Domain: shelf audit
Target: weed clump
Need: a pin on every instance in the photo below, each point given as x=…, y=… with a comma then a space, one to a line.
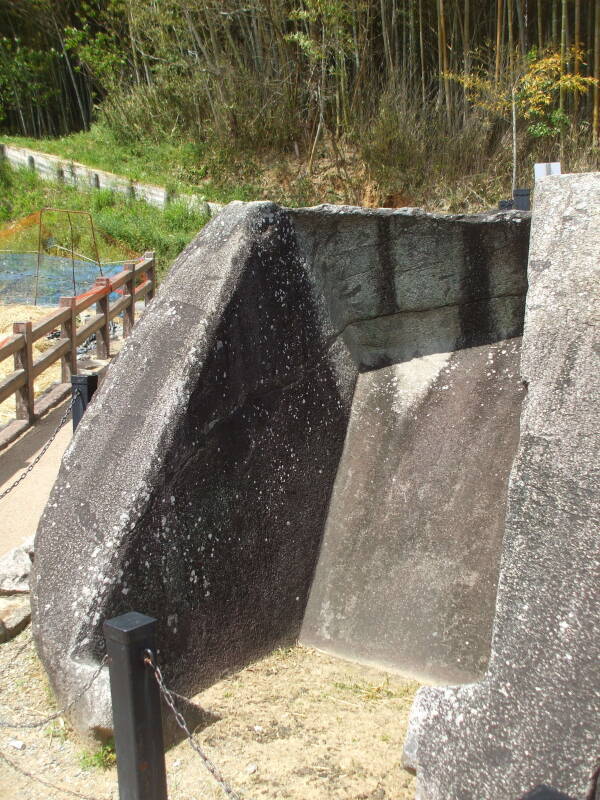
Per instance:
x=103, y=758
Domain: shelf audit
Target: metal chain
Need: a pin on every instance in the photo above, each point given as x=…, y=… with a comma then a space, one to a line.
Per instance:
x=169, y=700
x=57, y=714
x=56, y=788
x=42, y=452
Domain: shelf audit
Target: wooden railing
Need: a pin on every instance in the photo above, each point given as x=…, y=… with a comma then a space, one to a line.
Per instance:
x=136, y=281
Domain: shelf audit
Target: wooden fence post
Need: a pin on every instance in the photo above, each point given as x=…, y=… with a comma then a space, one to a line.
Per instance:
x=24, y=397
x=129, y=289
x=103, y=335
x=68, y=330
x=151, y=274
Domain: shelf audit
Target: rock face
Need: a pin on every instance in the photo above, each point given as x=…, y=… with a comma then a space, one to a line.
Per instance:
x=198, y=485
x=535, y=717
x=15, y=607
x=431, y=310
x=15, y=615
x=211, y=449
x=15, y=568
x=411, y=547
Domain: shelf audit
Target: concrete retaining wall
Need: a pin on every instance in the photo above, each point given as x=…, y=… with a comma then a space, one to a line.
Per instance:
x=54, y=168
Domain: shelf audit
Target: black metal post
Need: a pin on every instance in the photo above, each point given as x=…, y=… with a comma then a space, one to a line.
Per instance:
x=522, y=199
x=87, y=385
x=136, y=708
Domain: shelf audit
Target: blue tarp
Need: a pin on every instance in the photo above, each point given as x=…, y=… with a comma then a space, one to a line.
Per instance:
x=18, y=277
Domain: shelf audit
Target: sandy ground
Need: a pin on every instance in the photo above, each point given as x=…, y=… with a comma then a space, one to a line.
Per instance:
x=298, y=724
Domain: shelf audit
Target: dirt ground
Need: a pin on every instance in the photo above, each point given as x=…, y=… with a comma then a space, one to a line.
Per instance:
x=298, y=724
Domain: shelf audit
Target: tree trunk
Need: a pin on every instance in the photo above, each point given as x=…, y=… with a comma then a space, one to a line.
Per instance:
x=84, y=120
x=511, y=43
x=577, y=44
x=522, y=27
x=422, y=51
x=444, y=52
x=513, y=107
x=499, y=38
x=466, y=53
x=555, y=38
x=563, y=53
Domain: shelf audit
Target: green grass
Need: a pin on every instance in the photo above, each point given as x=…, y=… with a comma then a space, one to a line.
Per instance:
x=133, y=224
x=103, y=758
x=181, y=167
x=380, y=691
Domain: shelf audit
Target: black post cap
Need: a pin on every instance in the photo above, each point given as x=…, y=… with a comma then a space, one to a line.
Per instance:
x=85, y=380
x=129, y=627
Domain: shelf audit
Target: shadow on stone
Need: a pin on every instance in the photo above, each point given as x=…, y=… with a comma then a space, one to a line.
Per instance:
x=545, y=793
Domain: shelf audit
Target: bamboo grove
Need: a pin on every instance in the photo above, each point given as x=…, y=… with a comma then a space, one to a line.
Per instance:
x=300, y=74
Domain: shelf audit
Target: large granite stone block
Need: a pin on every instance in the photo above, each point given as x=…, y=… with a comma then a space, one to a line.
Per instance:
x=535, y=717
x=196, y=486
x=199, y=483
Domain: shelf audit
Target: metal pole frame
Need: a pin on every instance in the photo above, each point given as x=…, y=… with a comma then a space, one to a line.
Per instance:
x=68, y=212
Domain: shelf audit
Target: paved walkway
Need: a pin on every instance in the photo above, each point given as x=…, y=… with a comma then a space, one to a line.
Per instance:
x=21, y=510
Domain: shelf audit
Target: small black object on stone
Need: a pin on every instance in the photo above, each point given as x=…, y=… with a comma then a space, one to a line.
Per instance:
x=505, y=205
x=522, y=199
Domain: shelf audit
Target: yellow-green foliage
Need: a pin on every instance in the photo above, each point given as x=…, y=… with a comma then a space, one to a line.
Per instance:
x=534, y=85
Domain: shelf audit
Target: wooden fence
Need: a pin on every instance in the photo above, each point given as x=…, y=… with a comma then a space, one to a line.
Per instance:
x=137, y=281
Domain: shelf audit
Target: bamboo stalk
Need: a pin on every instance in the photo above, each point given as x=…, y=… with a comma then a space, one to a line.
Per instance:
x=499, y=38
x=596, y=112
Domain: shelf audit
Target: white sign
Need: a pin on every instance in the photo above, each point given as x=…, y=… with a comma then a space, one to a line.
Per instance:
x=541, y=170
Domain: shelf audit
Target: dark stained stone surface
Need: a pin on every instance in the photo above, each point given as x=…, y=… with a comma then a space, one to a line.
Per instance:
x=431, y=284
x=198, y=485
x=535, y=717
